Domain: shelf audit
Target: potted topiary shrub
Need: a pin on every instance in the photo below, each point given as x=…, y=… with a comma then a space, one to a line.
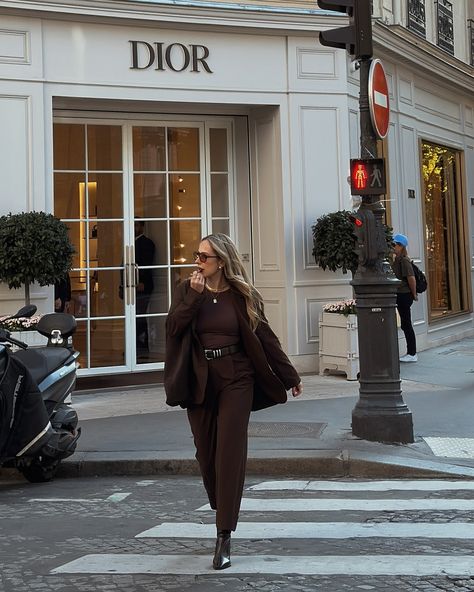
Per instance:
x=334, y=243
x=34, y=247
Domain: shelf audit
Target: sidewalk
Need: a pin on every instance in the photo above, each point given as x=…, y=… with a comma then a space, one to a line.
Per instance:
x=132, y=431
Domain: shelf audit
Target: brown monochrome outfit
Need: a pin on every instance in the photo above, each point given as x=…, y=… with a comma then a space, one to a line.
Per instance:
x=219, y=394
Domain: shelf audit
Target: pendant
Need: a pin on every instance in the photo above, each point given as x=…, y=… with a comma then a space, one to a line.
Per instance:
x=214, y=300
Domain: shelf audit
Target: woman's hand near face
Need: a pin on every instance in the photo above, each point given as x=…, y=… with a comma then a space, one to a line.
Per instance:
x=297, y=390
x=197, y=281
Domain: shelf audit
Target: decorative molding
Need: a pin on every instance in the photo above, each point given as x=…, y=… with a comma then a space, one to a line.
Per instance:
x=14, y=47
x=266, y=189
x=468, y=116
x=316, y=64
x=442, y=108
x=21, y=154
x=405, y=89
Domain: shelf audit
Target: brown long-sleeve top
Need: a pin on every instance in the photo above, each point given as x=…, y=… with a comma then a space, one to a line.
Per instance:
x=185, y=364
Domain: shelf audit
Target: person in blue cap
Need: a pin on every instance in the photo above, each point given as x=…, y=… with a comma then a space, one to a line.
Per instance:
x=406, y=293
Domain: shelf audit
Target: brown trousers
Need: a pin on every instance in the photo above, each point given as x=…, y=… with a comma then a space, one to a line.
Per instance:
x=219, y=427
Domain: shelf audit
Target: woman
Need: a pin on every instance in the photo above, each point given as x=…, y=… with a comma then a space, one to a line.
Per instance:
x=223, y=361
x=406, y=294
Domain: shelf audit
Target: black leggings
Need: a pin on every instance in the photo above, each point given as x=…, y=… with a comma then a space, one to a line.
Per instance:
x=404, y=302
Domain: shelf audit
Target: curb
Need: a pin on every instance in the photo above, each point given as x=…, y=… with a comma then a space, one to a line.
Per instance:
x=335, y=464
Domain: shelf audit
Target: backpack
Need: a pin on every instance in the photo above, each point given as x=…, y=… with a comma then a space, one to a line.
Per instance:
x=420, y=278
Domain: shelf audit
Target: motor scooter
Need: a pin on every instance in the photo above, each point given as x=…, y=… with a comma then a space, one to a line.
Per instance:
x=37, y=427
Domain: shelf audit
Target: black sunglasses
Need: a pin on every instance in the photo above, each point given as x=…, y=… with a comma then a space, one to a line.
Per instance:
x=203, y=257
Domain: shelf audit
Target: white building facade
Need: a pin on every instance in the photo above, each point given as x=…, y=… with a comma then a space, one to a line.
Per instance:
x=195, y=117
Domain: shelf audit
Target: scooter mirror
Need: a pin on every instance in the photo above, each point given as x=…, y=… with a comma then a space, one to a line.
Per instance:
x=25, y=312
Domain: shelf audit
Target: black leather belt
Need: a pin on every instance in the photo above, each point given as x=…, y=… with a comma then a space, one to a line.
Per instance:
x=212, y=354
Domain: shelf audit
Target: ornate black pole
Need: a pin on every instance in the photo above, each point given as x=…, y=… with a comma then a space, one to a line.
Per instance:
x=380, y=414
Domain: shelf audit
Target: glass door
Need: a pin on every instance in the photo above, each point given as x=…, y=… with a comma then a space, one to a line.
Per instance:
x=88, y=197
x=137, y=198
x=166, y=206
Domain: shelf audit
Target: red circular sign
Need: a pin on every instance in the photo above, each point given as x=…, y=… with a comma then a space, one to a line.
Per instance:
x=378, y=99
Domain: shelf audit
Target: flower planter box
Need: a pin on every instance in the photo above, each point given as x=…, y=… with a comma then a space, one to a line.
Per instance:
x=338, y=344
x=31, y=338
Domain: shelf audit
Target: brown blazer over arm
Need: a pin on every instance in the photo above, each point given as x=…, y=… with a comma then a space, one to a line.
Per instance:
x=186, y=366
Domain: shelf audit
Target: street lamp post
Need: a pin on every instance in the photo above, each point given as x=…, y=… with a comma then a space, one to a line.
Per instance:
x=380, y=414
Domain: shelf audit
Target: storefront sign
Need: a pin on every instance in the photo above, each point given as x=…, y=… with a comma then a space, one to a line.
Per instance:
x=175, y=56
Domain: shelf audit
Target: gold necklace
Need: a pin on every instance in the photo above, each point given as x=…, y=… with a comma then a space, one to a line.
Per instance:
x=216, y=291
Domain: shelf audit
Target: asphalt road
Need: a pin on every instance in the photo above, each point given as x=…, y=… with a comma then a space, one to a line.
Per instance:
x=156, y=534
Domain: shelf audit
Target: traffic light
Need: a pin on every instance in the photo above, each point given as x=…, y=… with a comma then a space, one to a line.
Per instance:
x=365, y=229
x=368, y=176
x=357, y=37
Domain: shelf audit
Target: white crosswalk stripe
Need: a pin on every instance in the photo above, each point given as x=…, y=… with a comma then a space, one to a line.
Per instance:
x=314, y=530
x=320, y=500
x=392, y=485
x=374, y=565
x=336, y=505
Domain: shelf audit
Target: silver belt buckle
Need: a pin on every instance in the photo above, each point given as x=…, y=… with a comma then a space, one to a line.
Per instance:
x=212, y=354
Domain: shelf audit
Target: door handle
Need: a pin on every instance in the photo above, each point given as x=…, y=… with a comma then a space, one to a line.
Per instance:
x=130, y=276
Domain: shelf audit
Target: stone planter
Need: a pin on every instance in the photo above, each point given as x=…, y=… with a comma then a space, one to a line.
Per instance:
x=31, y=338
x=338, y=344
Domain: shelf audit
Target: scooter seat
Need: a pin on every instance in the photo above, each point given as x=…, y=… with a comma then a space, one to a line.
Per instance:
x=41, y=361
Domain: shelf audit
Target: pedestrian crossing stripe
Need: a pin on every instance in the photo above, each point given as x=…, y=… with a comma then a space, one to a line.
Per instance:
x=365, y=565
x=336, y=505
x=315, y=530
x=391, y=485
x=410, y=564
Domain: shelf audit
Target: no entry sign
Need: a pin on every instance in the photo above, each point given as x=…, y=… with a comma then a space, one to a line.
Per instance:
x=378, y=99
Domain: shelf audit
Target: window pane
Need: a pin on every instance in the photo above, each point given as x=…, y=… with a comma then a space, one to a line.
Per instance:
x=220, y=226
x=69, y=147
x=220, y=195
x=157, y=232
x=185, y=237
x=105, y=195
x=77, y=232
x=78, y=304
x=185, y=196
x=218, y=148
x=183, y=149
x=150, y=196
x=155, y=349
x=106, y=244
x=105, y=298
x=159, y=298
x=444, y=231
x=69, y=195
x=149, y=153
x=79, y=342
x=104, y=147
x=107, y=343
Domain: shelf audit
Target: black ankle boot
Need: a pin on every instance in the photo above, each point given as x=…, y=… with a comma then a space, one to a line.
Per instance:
x=222, y=554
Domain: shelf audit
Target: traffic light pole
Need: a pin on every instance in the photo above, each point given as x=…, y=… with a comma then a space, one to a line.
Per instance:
x=380, y=414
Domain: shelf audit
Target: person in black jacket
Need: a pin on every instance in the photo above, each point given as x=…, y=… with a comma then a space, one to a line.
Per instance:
x=62, y=294
x=406, y=294
x=144, y=255
x=222, y=361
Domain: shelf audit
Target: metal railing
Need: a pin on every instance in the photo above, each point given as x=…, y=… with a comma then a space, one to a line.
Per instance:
x=416, y=17
x=445, y=25
x=471, y=39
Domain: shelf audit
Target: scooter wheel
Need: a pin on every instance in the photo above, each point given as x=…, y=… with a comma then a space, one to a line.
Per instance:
x=40, y=470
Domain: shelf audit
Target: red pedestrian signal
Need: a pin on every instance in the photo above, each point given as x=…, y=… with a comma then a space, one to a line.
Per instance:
x=368, y=176
x=359, y=175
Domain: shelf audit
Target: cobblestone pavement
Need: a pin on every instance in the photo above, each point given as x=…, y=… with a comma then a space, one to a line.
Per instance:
x=46, y=526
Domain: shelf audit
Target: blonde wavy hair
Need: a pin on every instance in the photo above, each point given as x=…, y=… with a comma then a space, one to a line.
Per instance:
x=236, y=276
